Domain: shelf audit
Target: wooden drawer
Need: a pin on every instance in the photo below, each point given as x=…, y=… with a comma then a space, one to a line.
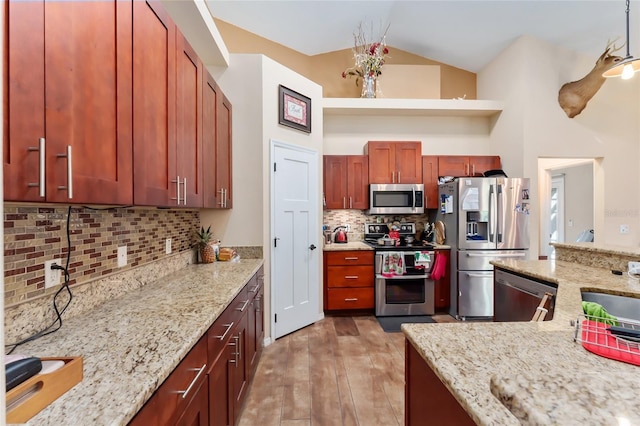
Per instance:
x=222, y=329
x=350, y=298
x=350, y=276
x=170, y=397
x=352, y=257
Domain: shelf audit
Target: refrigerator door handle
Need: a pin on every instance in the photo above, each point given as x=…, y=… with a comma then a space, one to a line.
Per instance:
x=491, y=214
x=500, y=203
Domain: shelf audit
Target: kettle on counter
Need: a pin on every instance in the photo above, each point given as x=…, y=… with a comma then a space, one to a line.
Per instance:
x=340, y=235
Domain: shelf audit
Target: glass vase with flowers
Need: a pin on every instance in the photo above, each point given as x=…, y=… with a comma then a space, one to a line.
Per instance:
x=369, y=58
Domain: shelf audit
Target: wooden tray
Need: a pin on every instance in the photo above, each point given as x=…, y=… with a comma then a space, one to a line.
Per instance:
x=30, y=397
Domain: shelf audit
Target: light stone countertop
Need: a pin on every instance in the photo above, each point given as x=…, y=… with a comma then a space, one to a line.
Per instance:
x=535, y=368
x=350, y=245
x=131, y=344
x=360, y=245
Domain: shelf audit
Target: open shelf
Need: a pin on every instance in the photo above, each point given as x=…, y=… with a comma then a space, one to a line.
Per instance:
x=408, y=107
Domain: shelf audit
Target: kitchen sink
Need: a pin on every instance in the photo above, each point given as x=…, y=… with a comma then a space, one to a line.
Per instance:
x=620, y=306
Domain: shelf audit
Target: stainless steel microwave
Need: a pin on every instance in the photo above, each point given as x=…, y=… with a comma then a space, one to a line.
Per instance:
x=397, y=198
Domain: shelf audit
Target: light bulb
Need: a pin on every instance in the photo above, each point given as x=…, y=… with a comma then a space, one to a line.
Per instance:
x=627, y=72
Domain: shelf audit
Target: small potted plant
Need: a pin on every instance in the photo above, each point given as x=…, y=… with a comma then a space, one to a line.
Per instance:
x=202, y=241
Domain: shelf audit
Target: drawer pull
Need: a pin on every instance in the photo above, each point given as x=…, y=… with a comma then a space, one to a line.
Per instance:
x=194, y=381
x=246, y=302
x=351, y=277
x=225, y=332
x=352, y=299
x=350, y=258
x=253, y=290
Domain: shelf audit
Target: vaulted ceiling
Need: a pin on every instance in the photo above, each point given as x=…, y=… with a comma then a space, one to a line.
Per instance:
x=466, y=34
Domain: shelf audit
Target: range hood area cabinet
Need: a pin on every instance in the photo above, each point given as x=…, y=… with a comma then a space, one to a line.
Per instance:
x=394, y=162
x=346, y=182
x=68, y=128
x=73, y=134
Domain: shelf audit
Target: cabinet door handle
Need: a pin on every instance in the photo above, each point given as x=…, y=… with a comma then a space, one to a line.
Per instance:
x=184, y=201
x=41, y=177
x=350, y=202
x=246, y=302
x=237, y=352
x=225, y=198
x=398, y=176
x=352, y=299
x=467, y=166
x=177, y=182
x=344, y=202
x=225, y=332
x=473, y=170
x=351, y=277
x=393, y=177
x=194, y=381
x=350, y=258
x=253, y=290
x=69, y=158
x=234, y=344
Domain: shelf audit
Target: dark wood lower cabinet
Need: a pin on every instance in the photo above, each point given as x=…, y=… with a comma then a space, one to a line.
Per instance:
x=427, y=400
x=221, y=388
x=197, y=412
x=220, y=368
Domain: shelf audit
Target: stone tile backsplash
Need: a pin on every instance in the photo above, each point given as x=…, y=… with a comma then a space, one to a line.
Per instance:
x=33, y=234
x=357, y=219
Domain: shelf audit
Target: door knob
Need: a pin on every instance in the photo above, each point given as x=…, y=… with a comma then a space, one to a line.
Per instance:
x=312, y=247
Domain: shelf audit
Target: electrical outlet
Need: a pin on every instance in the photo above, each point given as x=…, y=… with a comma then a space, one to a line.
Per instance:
x=52, y=276
x=167, y=246
x=347, y=227
x=635, y=267
x=624, y=229
x=122, y=256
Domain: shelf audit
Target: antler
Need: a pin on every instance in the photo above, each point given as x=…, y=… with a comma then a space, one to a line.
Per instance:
x=610, y=49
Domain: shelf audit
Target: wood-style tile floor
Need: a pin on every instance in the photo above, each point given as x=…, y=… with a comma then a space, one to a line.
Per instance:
x=338, y=371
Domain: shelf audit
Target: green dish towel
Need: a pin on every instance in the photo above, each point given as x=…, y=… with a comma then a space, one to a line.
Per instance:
x=596, y=312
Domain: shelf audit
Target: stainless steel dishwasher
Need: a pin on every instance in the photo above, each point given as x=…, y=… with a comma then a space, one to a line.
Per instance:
x=516, y=297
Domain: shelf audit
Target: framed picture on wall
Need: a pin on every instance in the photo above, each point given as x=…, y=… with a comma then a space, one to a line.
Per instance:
x=295, y=109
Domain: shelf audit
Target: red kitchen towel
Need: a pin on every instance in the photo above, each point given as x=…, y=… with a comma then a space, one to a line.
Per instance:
x=439, y=267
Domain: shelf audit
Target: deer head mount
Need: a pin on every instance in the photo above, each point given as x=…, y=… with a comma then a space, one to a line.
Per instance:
x=573, y=96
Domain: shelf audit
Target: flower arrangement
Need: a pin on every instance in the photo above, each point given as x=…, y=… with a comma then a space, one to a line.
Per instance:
x=369, y=56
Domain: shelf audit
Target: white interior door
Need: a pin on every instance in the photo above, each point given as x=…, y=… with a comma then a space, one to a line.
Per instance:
x=295, y=248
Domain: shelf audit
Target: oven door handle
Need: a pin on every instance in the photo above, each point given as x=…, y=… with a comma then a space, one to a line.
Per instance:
x=403, y=277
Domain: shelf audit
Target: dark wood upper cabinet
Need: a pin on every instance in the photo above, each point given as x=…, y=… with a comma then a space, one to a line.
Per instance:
x=154, y=103
x=394, y=162
x=189, y=119
x=69, y=83
x=346, y=182
x=223, y=153
x=460, y=165
x=210, y=94
x=430, y=181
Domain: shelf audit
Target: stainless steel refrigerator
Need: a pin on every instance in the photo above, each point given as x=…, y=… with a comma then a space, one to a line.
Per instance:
x=485, y=218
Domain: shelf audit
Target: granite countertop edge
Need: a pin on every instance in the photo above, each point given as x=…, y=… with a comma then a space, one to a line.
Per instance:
x=482, y=362
x=174, y=312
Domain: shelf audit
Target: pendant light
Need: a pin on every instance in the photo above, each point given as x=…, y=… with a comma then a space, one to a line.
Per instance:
x=628, y=66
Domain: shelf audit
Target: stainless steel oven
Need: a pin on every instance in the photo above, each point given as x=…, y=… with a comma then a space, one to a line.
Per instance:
x=411, y=293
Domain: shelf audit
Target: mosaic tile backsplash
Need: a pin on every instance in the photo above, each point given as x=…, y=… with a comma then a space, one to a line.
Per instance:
x=357, y=219
x=34, y=234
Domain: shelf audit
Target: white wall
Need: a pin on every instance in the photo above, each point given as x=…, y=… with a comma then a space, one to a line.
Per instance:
x=347, y=134
x=527, y=77
x=251, y=84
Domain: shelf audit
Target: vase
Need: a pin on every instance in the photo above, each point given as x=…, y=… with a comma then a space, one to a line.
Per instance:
x=368, y=87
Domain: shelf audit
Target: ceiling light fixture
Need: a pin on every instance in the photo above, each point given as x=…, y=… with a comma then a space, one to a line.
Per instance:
x=628, y=66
